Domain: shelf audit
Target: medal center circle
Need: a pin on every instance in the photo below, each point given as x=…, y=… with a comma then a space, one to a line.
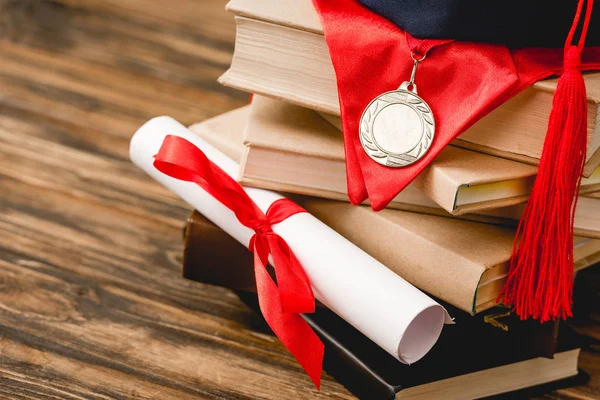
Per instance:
x=397, y=128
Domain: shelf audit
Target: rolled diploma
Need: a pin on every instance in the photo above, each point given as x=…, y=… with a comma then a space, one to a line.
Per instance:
x=380, y=304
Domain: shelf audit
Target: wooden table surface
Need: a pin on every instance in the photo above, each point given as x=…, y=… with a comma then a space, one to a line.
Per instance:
x=92, y=303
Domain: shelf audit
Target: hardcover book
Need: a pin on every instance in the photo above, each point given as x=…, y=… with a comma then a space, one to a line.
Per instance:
x=461, y=262
x=227, y=131
x=291, y=148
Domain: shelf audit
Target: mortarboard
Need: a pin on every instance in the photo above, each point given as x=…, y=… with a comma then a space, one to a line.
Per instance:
x=537, y=23
x=460, y=82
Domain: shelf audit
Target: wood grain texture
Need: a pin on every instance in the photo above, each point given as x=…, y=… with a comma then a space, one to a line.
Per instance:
x=92, y=305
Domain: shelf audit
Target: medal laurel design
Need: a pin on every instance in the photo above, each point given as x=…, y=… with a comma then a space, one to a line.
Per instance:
x=397, y=127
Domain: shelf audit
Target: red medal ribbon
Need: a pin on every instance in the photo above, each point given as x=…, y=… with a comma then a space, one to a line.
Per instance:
x=420, y=47
x=462, y=82
x=281, y=304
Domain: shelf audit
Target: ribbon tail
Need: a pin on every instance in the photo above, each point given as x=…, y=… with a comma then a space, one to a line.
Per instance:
x=294, y=286
x=293, y=331
x=181, y=159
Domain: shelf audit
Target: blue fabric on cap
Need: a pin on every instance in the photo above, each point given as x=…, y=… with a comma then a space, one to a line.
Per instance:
x=516, y=23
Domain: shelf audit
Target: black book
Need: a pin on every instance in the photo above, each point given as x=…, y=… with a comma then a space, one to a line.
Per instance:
x=472, y=359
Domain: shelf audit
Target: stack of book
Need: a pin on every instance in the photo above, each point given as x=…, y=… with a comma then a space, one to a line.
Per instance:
x=450, y=233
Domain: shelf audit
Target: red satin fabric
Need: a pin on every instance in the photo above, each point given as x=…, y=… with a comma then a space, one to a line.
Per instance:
x=281, y=304
x=460, y=81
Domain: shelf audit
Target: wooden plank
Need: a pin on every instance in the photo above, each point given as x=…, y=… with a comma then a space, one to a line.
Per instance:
x=43, y=156
x=92, y=305
x=110, y=70
x=99, y=290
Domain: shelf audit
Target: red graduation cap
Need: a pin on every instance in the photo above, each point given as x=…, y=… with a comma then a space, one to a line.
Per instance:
x=461, y=82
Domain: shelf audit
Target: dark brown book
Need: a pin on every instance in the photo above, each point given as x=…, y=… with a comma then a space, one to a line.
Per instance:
x=490, y=353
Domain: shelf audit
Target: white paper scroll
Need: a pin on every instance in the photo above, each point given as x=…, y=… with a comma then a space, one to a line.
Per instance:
x=384, y=307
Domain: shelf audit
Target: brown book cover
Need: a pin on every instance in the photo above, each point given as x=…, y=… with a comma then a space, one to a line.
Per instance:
x=303, y=74
x=226, y=132
x=291, y=145
x=213, y=257
x=463, y=263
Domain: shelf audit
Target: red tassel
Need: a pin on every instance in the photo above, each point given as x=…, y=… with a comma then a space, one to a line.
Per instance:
x=540, y=279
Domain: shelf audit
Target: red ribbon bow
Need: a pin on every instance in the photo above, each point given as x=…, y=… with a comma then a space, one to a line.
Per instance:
x=281, y=304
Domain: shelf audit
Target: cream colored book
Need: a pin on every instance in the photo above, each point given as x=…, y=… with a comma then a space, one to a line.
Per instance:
x=318, y=170
x=291, y=148
x=462, y=262
x=281, y=52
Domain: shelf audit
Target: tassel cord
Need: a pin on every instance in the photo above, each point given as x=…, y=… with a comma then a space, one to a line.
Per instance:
x=540, y=278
